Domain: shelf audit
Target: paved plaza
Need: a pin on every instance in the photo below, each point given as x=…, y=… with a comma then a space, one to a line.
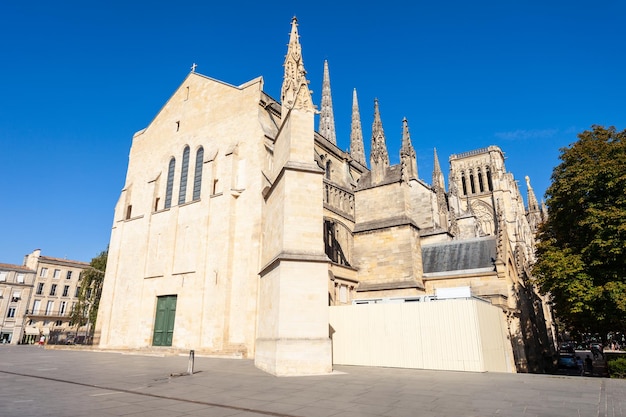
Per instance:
x=47, y=382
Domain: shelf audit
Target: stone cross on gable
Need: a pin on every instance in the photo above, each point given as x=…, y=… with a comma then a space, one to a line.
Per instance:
x=193, y=67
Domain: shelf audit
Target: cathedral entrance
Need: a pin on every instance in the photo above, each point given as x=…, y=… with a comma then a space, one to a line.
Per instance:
x=164, y=321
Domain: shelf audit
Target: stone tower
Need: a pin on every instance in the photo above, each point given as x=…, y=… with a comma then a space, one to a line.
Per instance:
x=292, y=330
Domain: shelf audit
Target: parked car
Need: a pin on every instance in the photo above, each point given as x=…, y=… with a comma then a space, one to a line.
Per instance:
x=567, y=361
x=567, y=348
x=593, y=346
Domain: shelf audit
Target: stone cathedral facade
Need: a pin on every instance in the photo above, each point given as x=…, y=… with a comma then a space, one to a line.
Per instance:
x=240, y=224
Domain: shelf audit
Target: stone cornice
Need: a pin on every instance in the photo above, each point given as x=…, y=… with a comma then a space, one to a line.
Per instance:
x=385, y=224
x=292, y=166
x=287, y=256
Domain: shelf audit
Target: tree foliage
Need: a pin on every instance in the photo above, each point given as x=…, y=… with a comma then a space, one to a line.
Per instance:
x=86, y=308
x=581, y=254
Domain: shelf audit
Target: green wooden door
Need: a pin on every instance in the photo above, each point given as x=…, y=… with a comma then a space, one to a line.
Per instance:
x=164, y=321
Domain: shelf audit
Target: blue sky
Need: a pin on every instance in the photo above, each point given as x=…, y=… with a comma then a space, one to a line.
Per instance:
x=78, y=79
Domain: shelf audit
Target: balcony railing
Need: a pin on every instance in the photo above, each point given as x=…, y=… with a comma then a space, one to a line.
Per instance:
x=339, y=199
x=48, y=313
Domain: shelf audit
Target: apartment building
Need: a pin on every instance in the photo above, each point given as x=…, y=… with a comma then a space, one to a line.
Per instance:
x=55, y=289
x=16, y=286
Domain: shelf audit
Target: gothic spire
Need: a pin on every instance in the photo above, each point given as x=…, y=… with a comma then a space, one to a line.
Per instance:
x=438, y=180
x=379, y=158
x=533, y=206
x=295, y=91
x=327, y=120
x=440, y=191
x=408, y=161
x=357, y=149
x=535, y=213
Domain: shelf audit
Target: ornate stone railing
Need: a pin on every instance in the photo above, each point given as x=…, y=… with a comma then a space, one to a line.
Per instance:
x=339, y=199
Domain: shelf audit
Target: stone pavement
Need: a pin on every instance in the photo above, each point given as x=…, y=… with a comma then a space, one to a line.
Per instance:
x=46, y=382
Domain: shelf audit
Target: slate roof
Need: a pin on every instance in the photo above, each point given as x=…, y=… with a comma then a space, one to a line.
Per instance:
x=11, y=267
x=461, y=255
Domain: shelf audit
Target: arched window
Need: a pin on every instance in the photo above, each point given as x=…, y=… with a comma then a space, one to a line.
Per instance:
x=481, y=187
x=183, y=176
x=463, y=183
x=197, y=176
x=328, y=169
x=170, y=183
x=489, y=183
x=472, y=185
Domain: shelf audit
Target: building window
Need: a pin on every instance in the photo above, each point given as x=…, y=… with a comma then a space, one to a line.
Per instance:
x=328, y=165
x=184, y=170
x=66, y=290
x=40, y=288
x=215, y=186
x=49, y=307
x=77, y=293
x=57, y=273
x=197, y=176
x=170, y=183
x=20, y=278
x=463, y=184
x=58, y=323
x=53, y=289
x=129, y=211
x=43, y=272
x=69, y=275
x=62, y=309
x=480, y=181
x=36, y=305
x=156, y=204
x=11, y=312
x=489, y=183
x=16, y=297
x=3, y=276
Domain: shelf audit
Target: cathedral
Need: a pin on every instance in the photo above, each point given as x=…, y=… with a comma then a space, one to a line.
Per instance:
x=240, y=225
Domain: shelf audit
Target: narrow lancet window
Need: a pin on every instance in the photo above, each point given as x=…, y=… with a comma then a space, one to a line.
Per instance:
x=197, y=176
x=183, y=176
x=481, y=186
x=471, y=179
x=170, y=183
x=464, y=184
x=489, y=183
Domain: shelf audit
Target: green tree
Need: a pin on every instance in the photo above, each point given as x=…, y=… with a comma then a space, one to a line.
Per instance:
x=581, y=254
x=85, y=310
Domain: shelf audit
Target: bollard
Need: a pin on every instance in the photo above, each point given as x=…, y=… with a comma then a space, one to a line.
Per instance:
x=192, y=355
